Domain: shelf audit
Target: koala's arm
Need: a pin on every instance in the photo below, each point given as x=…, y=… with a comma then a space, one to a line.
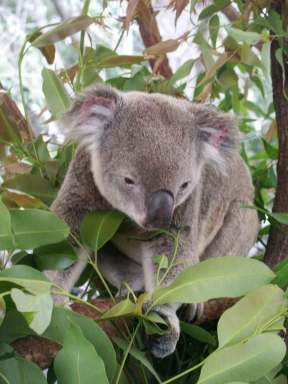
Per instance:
x=77, y=197
x=78, y=194
x=237, y=234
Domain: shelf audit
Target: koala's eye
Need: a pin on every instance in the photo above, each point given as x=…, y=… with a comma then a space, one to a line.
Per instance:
x=129, y=181
x=184, y=185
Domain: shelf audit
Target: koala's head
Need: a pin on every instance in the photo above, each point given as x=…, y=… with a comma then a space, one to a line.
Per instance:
x=148, y=150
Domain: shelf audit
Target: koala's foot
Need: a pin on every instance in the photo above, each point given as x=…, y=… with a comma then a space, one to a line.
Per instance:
x=57, y=278
x=163, y=345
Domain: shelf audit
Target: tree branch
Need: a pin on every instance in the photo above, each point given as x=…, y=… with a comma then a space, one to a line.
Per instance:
x=42, y=351
x=150, y=34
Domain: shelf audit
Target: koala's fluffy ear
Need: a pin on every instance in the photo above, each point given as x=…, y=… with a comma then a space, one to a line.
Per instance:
x=217, y=135
x=91, y=113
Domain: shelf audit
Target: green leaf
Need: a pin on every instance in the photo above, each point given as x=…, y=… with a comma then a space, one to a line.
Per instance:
x=270, y=378
x=55, y=256
x=2, y=309
x=248, y=57
x=198, y=333
x=6, y=236
x=78, y=361
x=271, y=150
x=6, y=351
x=248, y=37
x=120, y=61
x=14, y=326
x=214, y=26
x=281, y=271
x=152, y=328
x=20, y=371
x=32, y=280
x=63, y=30
x=40, y=306
x=123, y=308
x=183, y=71
x=281, y=217
x=228, y=276
x=250, y=314
x=34, y=227
x=33, y=185
x=245, y=361
x=161, y=261
x=211, y=9
x=99, y=227
x=138, y=355
x=60, y=322
x=56, y=96
x=228, y=79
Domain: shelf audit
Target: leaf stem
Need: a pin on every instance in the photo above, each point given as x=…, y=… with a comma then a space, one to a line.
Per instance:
x=62, y=292
x=82, y=40
x=184, y=373
x=126, y=354
x=174, y=255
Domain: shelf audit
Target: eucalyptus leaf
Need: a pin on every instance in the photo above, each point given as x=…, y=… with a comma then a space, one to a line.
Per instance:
x=6, y=236
x=228, y=276
x=32, y=280
x=281, y=217
x=121, y=309
x=246, y=361
x=14, y=326
x=63, y=30
x=251, y=314
x=198, y=333
x=211, y=9
x=60, y=322
x=55, y=256
x=214, y=26
x=248, y=37
x=97, y=228
x=78, y=362
x=56, y=96
x=40, y=307
x=183, y=71
x=281, y=271
x=138, y=355
x=272, y=378
x=34, y=227
x=33, y=185
x=20, y=371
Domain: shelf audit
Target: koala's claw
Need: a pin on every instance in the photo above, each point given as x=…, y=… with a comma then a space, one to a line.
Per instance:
x=192, y=312
x=163, y=345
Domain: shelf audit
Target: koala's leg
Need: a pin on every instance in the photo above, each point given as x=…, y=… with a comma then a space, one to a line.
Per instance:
x=118, y=268
x=235, y=238
x=67, y=278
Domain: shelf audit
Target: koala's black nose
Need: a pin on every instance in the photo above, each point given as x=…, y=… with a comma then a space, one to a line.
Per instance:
x=160, y=209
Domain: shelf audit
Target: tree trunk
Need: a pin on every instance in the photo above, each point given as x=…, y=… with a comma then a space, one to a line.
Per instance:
x=277, y=248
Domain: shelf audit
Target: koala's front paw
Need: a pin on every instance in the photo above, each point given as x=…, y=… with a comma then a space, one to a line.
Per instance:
x=163, y=345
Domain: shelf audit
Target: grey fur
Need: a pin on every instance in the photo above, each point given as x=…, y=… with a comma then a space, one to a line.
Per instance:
x=160, y=142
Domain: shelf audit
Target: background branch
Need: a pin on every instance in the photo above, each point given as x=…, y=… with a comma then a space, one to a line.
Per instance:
x=150, y=34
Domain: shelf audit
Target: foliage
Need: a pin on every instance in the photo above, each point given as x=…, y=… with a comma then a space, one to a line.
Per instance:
x=245, y=346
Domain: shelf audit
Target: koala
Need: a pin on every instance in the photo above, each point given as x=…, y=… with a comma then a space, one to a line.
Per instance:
x=166, y=164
